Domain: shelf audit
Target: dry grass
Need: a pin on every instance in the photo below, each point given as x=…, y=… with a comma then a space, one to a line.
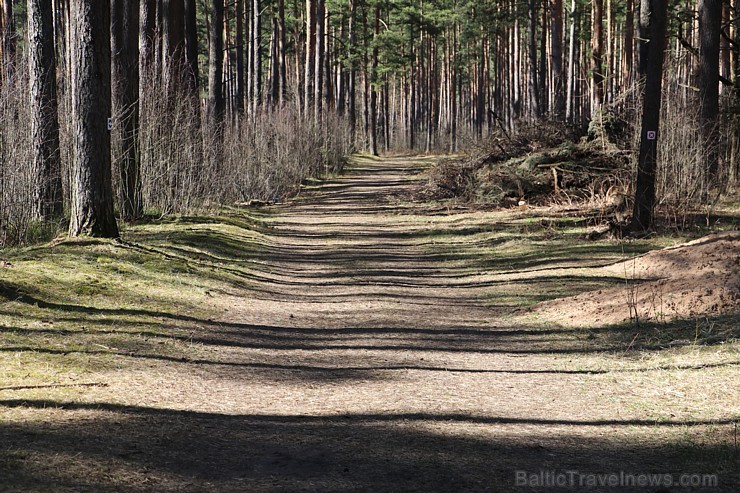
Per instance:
x=350, y=341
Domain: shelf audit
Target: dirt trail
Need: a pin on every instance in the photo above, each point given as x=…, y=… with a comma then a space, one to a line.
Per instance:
x=374, y=350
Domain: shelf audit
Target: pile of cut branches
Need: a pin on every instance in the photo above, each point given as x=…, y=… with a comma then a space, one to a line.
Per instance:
x=511, y=170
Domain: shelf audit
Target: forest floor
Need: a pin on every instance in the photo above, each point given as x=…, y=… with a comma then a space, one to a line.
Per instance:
x=356, y=340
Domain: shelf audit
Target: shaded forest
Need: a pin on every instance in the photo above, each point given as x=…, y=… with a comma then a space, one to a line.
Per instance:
x=189, y=104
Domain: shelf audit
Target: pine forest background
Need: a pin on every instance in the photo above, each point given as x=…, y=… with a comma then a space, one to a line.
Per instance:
x=216, y=102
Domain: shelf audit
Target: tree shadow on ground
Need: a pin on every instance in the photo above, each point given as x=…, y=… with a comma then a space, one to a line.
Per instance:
x=140, y=449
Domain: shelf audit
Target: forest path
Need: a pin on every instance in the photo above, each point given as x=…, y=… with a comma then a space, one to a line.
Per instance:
x=359, y=341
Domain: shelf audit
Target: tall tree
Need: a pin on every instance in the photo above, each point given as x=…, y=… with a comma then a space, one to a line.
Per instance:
x=310, y=54
x=319, y=60
x=7, y=36
x=710, y=27
x=374, y=86
x=256, y=54
x=597, y=54
x=124, y=89
x=556, y=55
x=191, y=45
x=282, y=73
x=534, y=87
x=653, y=28
x=240, y=93
x=215, y=66
x=44, y=119
x=173, y=38
x=569, y=107
x=92, y=194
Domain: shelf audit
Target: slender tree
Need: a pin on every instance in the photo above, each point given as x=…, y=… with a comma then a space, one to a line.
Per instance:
x=710, y=27
x=653, y=20
x=281, y=48
x=240, y=92
x=374, y=89
x=44, y=120
x=92, y=194
x=310, y=54
x=124, y=89
x=191, y=45
x=556, y=56
x=256, y=54
x=7, y=37
x=597, y=54
x=318, y=84
x=173, y=38
x=534, y=87
x=215, y=66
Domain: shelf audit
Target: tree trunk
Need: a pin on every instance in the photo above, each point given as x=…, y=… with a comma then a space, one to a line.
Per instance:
x=215, y=66
x=7, y=38
x=274, y=64
x=282, y=73
x=173, y=39
x=328, y=86
x=92, y=194
x=597, y=55
x=644, y=36
x=239, y=96
x=44, y=120
x=257, y=55
x=352, y=89
x=412, y=76
x=556, y=56
x=629, y=40
x=654, y=12
x=310, y=55
x=569, y=111
x=710, y=24
x=319, y=60
x=534, y=96
x=373, y=90
x=124, y=91
x=191, y=47
x=453, y=90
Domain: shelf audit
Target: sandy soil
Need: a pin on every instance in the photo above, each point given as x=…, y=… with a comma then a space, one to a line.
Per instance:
x=694, y=280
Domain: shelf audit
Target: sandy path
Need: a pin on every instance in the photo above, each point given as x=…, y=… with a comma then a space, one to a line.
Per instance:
x=363, y=358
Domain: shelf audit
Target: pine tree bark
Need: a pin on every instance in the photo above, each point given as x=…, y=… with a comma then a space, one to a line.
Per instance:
x=412, y=82
x=654, y=12
x=274, y=95
x=310, y=55
x=569, y=93
x=256, y=55
x=534, y=87
x=282, y=70
x=629, y=40
x=597, y=55
x=44, y=120
x=173, y=39
x=373, y=90
x=124, y=90
x=318, y=85
x=556, y=56
x=352, y=83
x=191, y=46
x=92, y=194
x=710, y=25
x=240, y=92
x=215, y=67
x=7, y=38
